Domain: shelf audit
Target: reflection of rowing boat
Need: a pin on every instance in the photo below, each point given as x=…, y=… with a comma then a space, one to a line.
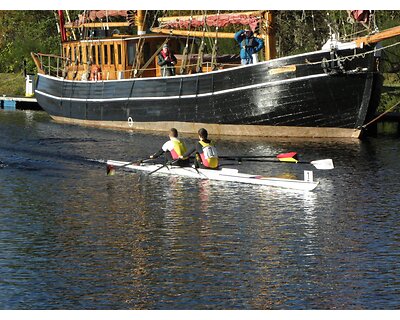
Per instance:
x=223, y=174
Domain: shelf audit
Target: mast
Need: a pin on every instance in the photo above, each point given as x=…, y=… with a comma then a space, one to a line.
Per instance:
x=140, y=23
x=269, y=37
x=62, y=25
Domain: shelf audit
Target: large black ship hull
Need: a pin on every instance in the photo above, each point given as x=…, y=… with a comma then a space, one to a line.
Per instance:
x=309, y=95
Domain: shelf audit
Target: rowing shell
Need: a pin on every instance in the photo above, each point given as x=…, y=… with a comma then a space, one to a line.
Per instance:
x=223, y=174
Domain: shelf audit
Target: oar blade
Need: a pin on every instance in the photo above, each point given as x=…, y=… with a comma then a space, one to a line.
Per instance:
x=281, y=157
x=288, y=155
x=324, y=164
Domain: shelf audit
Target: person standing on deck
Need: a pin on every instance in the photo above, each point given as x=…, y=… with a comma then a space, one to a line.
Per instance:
x=167, y=61
x=249, y=45
x=206, y=153
x=173, y=149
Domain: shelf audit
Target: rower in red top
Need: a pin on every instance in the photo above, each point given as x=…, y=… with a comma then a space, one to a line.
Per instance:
x=173, y=149
x=206, y=153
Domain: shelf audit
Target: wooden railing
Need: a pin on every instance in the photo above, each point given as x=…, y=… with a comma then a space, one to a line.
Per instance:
x=54, y=65
x=50, y=64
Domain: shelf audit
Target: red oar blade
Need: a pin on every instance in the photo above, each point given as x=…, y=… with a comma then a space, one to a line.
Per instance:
x=288, y=157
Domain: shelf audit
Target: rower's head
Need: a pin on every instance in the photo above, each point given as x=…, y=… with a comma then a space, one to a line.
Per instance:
x=203, y=134
x=173, y=133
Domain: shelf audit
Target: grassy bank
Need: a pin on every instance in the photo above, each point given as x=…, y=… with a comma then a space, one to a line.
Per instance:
x=12, y=84
x=390, y=96
x=390, y=92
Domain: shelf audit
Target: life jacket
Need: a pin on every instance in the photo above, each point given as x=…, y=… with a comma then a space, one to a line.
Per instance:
x=249, y=42
x=247, y=48
x=178, y=150
x=209, y=156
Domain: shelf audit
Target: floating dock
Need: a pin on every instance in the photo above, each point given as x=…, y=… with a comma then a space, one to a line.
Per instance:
x=18, y=103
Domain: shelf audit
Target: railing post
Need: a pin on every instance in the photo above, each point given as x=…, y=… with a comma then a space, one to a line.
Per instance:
x=58, y=65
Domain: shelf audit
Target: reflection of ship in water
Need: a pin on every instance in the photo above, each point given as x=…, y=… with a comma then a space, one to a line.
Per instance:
x=112, y=79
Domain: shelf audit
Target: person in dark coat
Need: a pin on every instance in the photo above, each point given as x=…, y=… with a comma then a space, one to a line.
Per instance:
x=249, y=45
x=167, y=61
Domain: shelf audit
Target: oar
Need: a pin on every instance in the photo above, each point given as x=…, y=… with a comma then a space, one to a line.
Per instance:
x=164, y=165
x=288, y=155
x=325, y=164
x=111, y=168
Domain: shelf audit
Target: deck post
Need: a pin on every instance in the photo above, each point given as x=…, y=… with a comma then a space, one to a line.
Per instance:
x=269, y=38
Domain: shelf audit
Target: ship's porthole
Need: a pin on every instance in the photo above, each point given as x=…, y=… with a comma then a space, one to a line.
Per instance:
x=130, y=122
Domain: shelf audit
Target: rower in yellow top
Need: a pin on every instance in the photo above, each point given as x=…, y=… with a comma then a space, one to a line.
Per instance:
x=173, y=149
x=206, y=153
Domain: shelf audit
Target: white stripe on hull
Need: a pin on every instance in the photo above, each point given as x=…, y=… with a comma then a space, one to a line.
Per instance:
x=191, y=96
x=224, y=174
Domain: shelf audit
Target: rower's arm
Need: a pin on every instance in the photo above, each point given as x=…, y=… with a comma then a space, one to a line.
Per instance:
x=189, y=152
x=157, y=154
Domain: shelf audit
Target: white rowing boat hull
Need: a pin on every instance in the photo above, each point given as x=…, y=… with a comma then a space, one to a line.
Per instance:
x=224, y=174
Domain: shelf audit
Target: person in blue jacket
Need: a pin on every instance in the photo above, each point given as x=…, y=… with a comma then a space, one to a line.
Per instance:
x=249, y=45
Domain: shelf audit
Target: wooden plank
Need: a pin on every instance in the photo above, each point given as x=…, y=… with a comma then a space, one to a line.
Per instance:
x=201, y=16
x=222, y=35
x=377, y=37
x=98, y=25
x=226, y=35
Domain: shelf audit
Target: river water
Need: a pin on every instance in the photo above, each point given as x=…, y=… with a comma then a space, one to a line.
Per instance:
x=72, y=237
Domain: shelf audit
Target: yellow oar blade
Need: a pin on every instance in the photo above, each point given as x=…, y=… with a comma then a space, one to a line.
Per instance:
x=288, y=160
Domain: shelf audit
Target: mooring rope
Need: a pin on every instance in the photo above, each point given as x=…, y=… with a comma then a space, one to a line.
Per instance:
x=380, y=116
x=349, y=58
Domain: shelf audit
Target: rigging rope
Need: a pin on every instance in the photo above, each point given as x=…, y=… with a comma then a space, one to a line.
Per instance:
x=215, y=47
x=186, y=49
x=349, y=58
x=201, y=48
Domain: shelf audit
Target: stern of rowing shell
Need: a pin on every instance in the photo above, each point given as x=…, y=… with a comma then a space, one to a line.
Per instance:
x=308, y=176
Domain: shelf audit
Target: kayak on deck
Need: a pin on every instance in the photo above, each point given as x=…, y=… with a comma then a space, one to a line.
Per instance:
x=222, y=174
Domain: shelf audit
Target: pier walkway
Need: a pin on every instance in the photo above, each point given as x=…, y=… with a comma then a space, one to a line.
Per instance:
x=18, y=103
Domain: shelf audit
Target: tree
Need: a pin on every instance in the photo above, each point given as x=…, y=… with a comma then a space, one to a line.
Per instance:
x=22, y=32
